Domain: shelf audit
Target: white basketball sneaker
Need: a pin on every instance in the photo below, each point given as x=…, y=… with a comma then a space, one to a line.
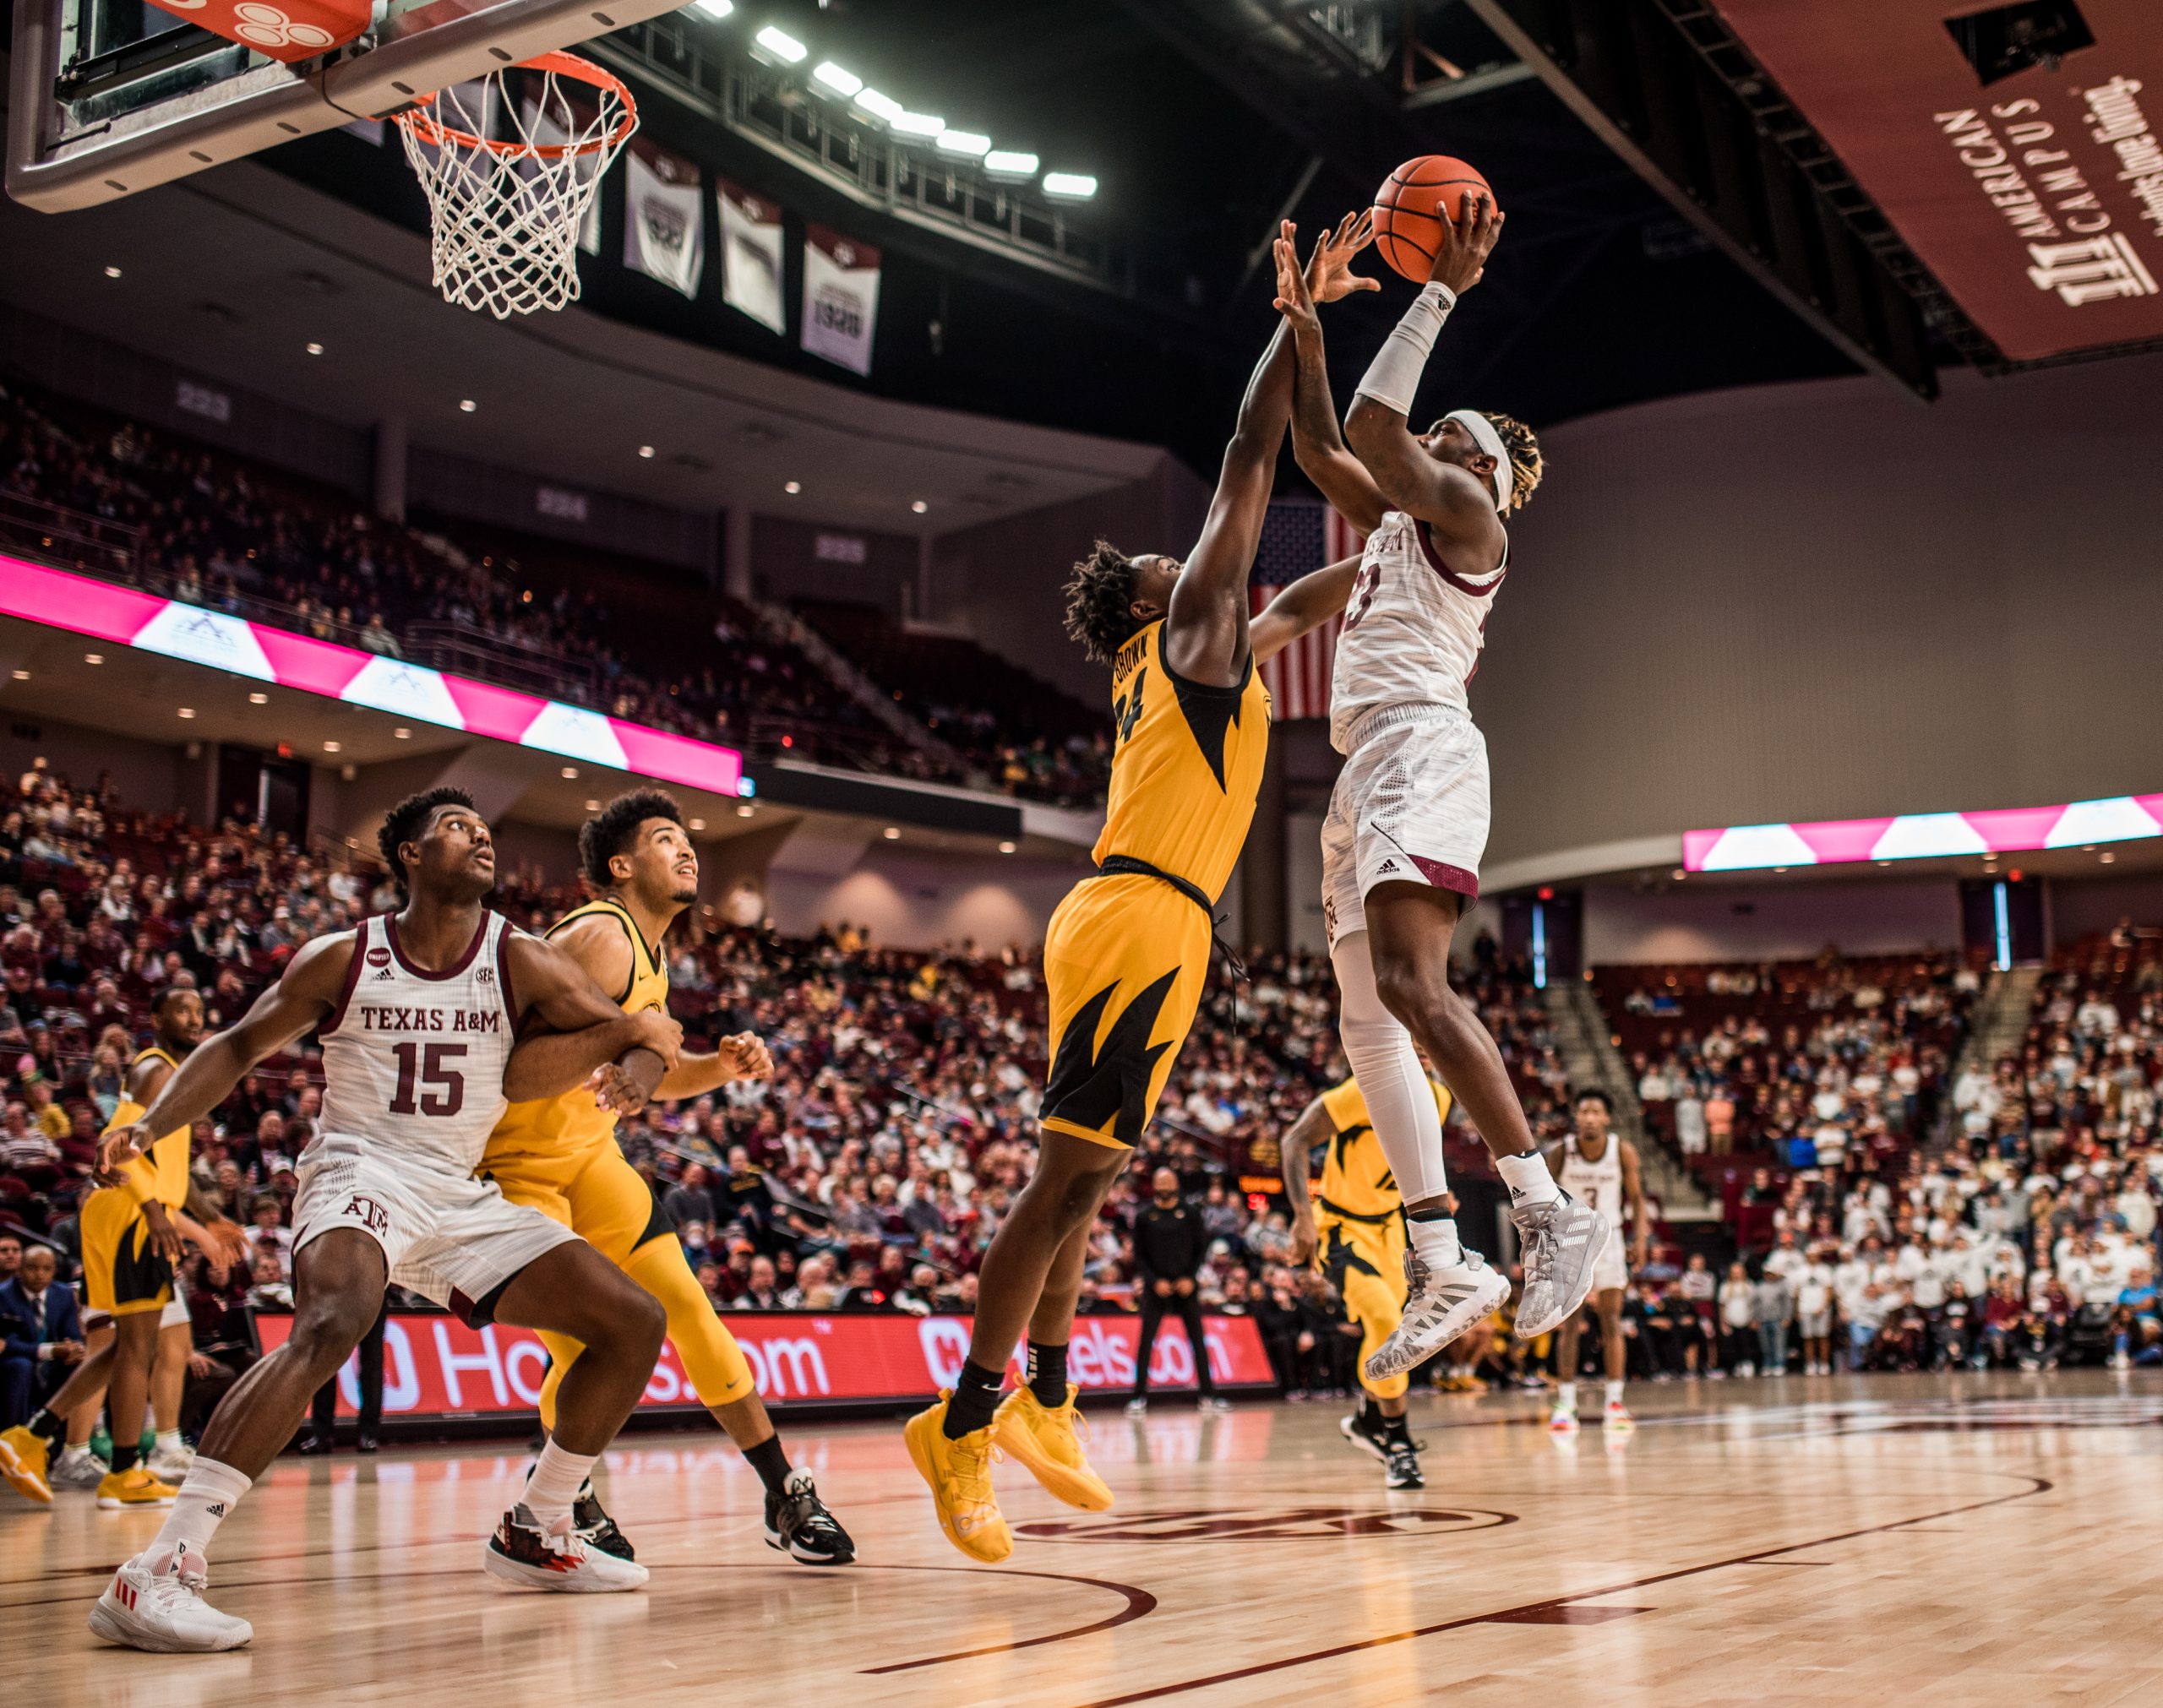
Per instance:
x=556, y=1558
x=1564, y=1421
x=156, y=1602
x=1439, y=1305
x=1618, y=1419
x=1561, y=1239
x=171, y=1464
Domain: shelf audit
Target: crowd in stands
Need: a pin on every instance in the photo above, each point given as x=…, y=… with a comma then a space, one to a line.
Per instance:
x=213, y=530
x=1890, y=1215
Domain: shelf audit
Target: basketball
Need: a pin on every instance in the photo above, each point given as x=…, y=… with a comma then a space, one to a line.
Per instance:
x=1412, y=203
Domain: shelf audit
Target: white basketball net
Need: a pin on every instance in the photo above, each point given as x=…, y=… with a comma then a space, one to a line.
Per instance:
x=510, y=182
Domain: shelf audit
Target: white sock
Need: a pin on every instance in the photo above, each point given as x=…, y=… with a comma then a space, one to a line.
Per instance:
x=168, y=1439
x=1527, y=1177
x=1436, y=1242
x=1566, y=1397
x=556, y=1478
x=206, y=1499
x=1614, y=1393
x=1407, y=1125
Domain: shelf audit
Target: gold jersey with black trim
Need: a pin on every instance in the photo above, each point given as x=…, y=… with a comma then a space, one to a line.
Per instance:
x=122, y=1273
x=1126, y=956
x=549, y=1140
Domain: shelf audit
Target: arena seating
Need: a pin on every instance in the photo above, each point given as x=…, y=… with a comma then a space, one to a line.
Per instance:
x=90, y=490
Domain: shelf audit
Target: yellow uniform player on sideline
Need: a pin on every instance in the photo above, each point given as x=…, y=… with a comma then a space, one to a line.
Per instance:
x=1354, y=1233
x=560, y=1156
x=1127, y=954
x=132, y=1236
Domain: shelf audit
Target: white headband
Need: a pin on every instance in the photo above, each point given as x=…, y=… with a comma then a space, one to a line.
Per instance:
x=1484, y=436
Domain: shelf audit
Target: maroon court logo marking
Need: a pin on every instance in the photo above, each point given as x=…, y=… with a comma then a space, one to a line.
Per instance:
x=1265, y=1524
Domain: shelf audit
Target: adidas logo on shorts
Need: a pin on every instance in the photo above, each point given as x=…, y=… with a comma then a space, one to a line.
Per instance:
x=1386, y=866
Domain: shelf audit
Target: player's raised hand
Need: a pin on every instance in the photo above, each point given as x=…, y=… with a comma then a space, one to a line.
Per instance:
x=117, y=1148
x=1463, y=245
x=746, y=1056
x=1329, y=269
x=1293, y=301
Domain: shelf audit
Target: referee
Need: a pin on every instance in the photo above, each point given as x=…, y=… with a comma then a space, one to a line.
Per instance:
x=1168, y=1243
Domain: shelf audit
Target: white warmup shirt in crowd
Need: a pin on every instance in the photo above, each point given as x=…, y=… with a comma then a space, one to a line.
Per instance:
x=413, y=1065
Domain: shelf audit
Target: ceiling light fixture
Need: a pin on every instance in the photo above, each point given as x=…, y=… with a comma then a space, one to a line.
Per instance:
x=780, y=47
x=330, y=748
x=466, y=405
x=919, y=506
x=883, y=107
x=570, y=773
x=1006, y=847
x=645, y=450
x=1069, y=186
x=1010, y=163
x=975, y=143
x=746, y=810
x=593, y=806
x=401, y=735
x=893, y=833
x=715, y=8
x=188, y=711
x=314, y=348
x=94, y=658
x=22, y=676
x=258, y=699
x=113, y=272
x=698, y=824
x=794, y=486
x=916, y=124
x=835, y=79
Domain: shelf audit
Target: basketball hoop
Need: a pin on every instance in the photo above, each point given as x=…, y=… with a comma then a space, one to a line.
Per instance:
x=510, y=184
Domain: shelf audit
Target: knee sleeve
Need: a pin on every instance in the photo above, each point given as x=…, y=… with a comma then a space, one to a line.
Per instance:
x=1380, y=1049
x=719, y=1373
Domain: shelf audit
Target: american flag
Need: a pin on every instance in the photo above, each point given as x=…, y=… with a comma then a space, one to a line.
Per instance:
x=1299, y=535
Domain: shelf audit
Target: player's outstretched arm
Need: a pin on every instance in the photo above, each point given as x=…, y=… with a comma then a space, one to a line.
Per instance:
x=1295, y=1149
x=1451, y=500
x=742, y=1056
x=583, y=1033
x=305, y=996
x=1206, y=629
x=1317, y=447
x=1305, y=605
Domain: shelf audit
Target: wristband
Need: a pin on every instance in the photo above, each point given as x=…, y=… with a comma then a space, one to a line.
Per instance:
x=1393, y=376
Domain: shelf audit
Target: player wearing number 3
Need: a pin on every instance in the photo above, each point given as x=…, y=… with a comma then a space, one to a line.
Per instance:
x=1407, y=823
x=427, y=1019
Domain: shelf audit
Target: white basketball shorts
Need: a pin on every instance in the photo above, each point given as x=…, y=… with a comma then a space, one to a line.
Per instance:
x=1611, y=1269
x=454, y=1239
x=1410, y=806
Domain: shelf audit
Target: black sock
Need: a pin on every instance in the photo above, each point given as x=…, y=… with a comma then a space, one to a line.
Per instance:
x=43, y=1423
x=1048, y=1373
x=770, y=1460
x=1373, y=1408
x=125, y=1456
x=976, y=1397
x=1397, y=1429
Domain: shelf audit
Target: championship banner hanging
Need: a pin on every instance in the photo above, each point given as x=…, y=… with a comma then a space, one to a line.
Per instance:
x=435, y=1366
x=664, y=232
x=2018, y=149
x=841, y=297
x=751, y=256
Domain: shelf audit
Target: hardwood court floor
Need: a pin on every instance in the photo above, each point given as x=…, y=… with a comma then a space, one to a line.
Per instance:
x=1877, y=1539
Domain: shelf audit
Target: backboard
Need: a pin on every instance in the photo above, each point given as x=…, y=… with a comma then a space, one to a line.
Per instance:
x=112, y=96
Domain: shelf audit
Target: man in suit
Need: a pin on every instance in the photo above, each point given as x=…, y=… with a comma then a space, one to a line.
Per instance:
x=42, y=1330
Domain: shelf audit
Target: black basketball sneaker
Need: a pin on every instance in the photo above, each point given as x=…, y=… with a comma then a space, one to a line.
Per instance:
x=1366, y=1432
x=799, y=1524
x=1402, y=1467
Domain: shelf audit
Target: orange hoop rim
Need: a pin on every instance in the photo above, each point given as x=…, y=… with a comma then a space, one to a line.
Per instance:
x=425, y=126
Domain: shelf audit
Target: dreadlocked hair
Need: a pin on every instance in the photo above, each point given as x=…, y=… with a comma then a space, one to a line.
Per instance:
x=600, y=838
x=405, y=821
x=1098, y=594
x=1526, y=465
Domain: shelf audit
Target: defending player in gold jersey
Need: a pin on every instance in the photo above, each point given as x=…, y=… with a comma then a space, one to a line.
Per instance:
x=560, y=1156
x=132, y=1236
x=1354, y=1232
x=1127, y=954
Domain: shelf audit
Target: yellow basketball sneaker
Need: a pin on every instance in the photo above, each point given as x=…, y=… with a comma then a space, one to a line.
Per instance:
x=1047, y=1440
x=134, y=1487
x=22, y=1463
x=959, y=1473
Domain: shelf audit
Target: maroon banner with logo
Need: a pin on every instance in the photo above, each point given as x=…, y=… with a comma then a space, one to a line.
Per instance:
x=435, y=1366
x=2034, y=192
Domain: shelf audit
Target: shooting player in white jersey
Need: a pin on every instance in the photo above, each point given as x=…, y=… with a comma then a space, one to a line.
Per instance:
x=1407, y=823
x=423, y=1015
x=1595, y=1165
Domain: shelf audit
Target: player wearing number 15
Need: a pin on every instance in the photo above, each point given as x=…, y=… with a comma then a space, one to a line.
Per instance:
x=421, y=1017
x=1127, y=953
